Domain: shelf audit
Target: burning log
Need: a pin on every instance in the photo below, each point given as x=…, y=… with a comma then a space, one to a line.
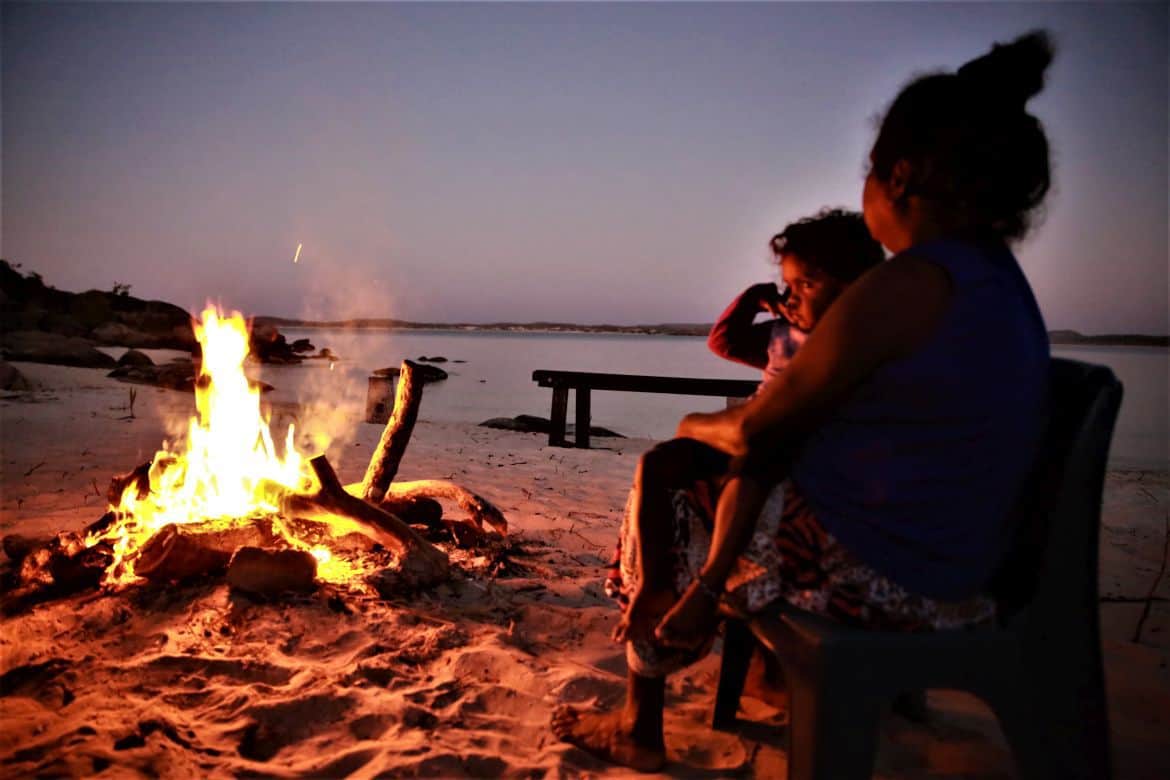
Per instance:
x=139, y=478
x=395, y=436
x=421, y=563
x=269, y=572
x=481, y=510
x=60, y=567
x=415, y=510
x=183, y=552
x=18, y=547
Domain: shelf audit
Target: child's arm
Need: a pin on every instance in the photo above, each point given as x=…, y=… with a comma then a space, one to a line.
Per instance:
x=736, y=336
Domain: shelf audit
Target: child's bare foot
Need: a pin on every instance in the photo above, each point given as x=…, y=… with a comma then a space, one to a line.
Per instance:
x=690, y=621
x=606, y=735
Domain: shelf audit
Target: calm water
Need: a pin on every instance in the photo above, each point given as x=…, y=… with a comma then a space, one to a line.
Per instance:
x=496, y=380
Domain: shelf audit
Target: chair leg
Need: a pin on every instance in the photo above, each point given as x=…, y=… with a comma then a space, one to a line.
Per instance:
x=832, y=728
x=1056, y=724
x=1012, y=704
x=738, y=645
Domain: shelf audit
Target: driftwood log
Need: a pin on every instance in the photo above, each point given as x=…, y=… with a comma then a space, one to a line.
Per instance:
x=481, y=510
x=422, y=564
x=378, y=486
x=395, y=436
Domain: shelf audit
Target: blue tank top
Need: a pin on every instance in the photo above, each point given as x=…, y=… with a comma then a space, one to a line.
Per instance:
x=917, y=471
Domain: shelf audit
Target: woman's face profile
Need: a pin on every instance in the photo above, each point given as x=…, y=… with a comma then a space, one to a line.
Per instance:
x=876, y=208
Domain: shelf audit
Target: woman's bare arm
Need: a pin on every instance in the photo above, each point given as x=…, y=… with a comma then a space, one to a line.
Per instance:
x=887, y=313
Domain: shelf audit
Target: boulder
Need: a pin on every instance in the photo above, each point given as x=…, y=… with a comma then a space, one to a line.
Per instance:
x=149, y=328
x=39, y=347
x=424, y=372
x=179, y=375
x=527, y=423
x=135, y=358
x=12, y=380
x=435, y=359
x=523, y=423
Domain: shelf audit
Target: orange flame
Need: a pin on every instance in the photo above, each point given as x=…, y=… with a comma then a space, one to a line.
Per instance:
x=229, y=470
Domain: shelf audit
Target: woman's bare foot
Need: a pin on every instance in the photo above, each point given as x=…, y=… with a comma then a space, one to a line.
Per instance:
x=690, y=622
x=608, y=736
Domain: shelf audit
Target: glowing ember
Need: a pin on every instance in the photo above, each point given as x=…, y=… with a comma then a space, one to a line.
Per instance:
x=228, y=472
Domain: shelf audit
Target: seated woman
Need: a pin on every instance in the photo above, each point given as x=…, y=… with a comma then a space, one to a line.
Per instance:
x=907, y=421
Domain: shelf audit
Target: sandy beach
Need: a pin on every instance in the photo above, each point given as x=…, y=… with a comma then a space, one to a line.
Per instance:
x=199, y=681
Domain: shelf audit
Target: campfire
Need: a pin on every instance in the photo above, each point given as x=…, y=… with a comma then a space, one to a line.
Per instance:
x=233, y=499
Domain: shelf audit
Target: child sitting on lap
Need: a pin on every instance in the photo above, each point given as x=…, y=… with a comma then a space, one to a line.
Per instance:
x=819, y=257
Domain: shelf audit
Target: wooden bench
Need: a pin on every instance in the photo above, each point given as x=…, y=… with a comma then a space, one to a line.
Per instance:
x=583, y=382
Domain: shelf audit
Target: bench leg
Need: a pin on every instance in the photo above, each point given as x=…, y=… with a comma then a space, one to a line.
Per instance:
x=560, y=410
x=582, y=394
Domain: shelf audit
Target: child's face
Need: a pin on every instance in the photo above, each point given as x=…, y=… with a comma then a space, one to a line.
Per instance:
x=810, y=291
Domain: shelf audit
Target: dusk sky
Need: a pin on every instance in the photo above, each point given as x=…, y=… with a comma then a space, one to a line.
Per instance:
x=572, y=162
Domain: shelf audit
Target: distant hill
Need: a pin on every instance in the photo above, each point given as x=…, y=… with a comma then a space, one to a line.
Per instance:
x=1111, y=339
x=27, y=304
x=40, y=323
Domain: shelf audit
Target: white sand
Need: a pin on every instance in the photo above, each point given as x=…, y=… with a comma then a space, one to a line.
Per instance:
x=198, y=682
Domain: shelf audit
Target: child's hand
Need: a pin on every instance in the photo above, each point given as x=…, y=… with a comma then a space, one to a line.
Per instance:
x=767, y=298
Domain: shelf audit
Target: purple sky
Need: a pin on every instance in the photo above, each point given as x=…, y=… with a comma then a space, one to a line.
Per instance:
x=589, y=163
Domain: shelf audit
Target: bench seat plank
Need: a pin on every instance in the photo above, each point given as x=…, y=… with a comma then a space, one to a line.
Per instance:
x=583, y=382
x=636, y=383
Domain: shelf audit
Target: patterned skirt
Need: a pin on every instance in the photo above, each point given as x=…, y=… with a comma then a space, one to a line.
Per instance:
x=790, y=559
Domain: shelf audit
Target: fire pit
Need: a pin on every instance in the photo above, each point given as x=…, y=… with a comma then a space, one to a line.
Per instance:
x=229, y=499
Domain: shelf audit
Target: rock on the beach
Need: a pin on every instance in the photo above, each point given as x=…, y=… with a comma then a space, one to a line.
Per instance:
x=424, y=372
x=12, y=380
x=37, y=347
x=179, y=375
x=269, y=572
x=524, y=423
x=135, y=358
x=435, y=359
x=528, y=423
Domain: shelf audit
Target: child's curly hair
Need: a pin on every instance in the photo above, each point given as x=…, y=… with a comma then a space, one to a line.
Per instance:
x=834, y=240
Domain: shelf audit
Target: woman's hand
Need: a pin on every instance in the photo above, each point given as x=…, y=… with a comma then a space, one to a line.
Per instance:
x=644, y=612
x=721, y=430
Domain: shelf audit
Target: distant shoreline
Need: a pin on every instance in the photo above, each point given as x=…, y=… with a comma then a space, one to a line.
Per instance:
x=666, y=329
x=1056, y=337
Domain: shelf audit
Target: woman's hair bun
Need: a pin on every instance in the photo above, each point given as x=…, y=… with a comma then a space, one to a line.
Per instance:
x=1010, y=73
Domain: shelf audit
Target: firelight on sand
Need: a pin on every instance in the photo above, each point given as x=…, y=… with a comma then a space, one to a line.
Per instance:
x=229, y=470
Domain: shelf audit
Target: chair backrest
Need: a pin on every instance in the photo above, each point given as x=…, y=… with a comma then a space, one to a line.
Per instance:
x=1050, y=574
